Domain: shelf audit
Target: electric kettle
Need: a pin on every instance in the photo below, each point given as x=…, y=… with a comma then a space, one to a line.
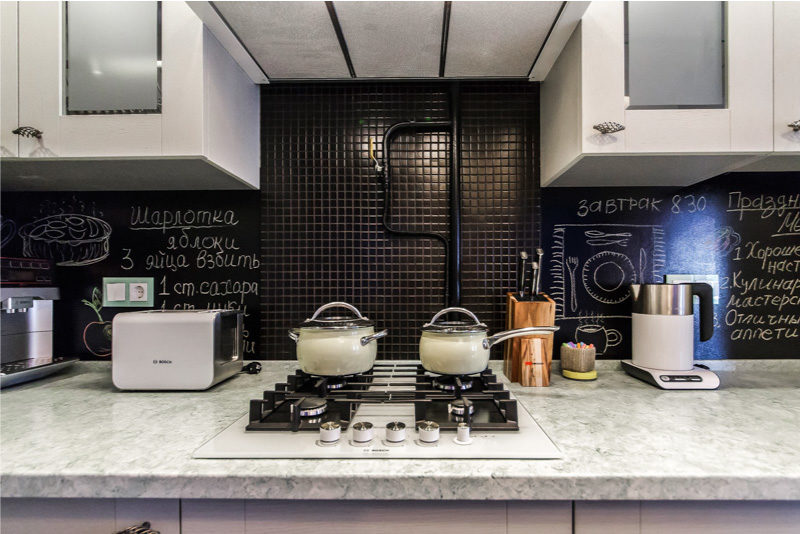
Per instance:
x=662, y=333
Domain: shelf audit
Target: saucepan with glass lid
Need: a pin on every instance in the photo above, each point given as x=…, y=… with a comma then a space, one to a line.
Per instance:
x=462, y=347
x=336, y=345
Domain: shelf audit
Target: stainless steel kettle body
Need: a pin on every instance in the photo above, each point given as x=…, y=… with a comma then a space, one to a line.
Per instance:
x=663, y=324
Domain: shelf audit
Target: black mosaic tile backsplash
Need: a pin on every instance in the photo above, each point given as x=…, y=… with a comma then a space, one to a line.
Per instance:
x=321, y=237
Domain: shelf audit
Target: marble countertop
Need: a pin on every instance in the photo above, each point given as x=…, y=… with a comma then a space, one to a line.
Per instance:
x=74, y=435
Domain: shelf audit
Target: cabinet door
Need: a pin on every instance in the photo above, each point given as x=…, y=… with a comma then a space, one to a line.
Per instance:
x=41, y=74
x=363, y=517
x=65, y=516
x=741, y=125
x=601, y=517
x=603, y=75
x=787, y=75
x=8, y=79
x=538, y=517
x=212, y=516
x=726, y=517
x=88, y=516
x=744, y=125
x=163, y=514
x=353, y=517
x=750, y=31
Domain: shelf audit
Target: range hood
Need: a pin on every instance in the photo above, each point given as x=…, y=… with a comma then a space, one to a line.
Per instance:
x=372, y=40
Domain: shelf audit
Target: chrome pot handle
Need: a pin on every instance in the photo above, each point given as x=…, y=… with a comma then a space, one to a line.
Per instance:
x=336, y=305
x=527, y=331
x=456, y=310
x=366, y=340
x=293, y=336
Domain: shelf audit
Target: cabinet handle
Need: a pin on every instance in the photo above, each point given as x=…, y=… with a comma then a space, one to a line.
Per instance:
x=608, y=127
x=28, y=131
x=144, y=528
x=794, y=125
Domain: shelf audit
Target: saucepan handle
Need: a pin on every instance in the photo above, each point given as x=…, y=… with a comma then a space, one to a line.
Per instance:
x=527, y=331
x=366, y=340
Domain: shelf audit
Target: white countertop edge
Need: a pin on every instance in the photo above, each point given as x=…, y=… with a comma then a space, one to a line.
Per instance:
x=424, y=488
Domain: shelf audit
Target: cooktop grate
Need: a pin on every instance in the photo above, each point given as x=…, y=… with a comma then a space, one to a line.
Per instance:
x=488, y=403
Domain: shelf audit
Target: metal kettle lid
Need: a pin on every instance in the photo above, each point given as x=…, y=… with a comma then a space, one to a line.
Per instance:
x=337, y=322
x=662, y=299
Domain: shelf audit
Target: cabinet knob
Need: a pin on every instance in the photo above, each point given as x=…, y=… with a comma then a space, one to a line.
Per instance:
x=794, y=125
x=608, y=127
x=144, y=528
x=28, y=131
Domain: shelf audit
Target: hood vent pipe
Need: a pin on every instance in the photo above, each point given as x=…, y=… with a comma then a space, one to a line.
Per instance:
x=451, y=243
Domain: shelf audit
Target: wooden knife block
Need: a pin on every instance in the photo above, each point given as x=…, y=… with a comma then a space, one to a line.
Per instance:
x=527, y=359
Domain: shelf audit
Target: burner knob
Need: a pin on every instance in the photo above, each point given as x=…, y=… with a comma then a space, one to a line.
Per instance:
x=363, y=432
x=428, y=432
x=395, y=432
x=462, y=434
x=329, y=432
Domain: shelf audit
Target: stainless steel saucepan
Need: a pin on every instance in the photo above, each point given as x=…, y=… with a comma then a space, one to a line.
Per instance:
x=338, y=345
x=462, y=347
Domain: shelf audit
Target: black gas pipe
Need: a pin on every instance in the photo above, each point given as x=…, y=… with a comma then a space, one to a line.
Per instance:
x=452, y=245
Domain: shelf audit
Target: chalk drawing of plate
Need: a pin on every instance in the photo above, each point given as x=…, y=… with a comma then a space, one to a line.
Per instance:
x=606, y=277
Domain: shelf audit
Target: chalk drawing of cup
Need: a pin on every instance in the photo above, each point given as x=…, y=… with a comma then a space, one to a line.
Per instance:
x=601, y=337
x=725, y=240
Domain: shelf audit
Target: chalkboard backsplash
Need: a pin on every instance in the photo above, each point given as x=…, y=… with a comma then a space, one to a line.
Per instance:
x=743, y=228
x=200, y=248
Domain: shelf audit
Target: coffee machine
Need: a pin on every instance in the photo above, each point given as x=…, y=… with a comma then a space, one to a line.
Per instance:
x=26, y=323
x=662, y=333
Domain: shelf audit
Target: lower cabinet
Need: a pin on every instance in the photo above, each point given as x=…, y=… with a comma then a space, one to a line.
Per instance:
x=234, y=516
x=357, y=517
x=87, y=516
x=687, y=517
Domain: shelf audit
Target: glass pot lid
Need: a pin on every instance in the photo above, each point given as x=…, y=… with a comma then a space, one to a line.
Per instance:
x=473, y=326
x=337, y=322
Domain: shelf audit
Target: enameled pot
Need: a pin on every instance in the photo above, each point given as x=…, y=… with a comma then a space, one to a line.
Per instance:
x=463, y=347
x=336, y=346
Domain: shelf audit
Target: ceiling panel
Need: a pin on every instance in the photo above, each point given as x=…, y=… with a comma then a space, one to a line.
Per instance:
x=392, y=39
x=497, y=38
x=288, y=39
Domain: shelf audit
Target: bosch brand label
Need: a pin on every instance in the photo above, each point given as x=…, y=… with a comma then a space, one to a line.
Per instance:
x=157, y=362
x=368, y=450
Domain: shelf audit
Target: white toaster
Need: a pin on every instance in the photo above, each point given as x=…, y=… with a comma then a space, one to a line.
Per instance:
x=175, y=349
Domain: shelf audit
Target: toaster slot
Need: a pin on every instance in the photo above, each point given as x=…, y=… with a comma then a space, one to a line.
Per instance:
x=229, y=348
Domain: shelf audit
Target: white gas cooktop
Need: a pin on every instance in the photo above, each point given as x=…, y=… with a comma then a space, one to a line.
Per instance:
x=364, y=433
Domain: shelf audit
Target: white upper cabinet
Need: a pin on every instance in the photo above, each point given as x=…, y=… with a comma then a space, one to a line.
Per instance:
x=691, y=82
x=134, y=89
x=9, y=105
x=787, y=76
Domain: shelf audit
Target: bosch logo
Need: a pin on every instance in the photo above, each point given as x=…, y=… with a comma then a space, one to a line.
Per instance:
x=157, y=362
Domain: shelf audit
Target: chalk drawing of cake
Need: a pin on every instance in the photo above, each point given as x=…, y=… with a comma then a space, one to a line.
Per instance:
x=69, y=239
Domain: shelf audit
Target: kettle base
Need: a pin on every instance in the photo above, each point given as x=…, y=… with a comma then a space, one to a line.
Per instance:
x=697, y=378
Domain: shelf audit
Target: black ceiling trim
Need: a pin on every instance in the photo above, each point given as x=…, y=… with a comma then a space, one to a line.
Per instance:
x=467, y=79
x=546, y=37
x=236, y=35
x=339, y=35
x=445, y=34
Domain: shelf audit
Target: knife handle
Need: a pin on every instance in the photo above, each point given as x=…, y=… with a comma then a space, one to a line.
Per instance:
x=522, y=273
